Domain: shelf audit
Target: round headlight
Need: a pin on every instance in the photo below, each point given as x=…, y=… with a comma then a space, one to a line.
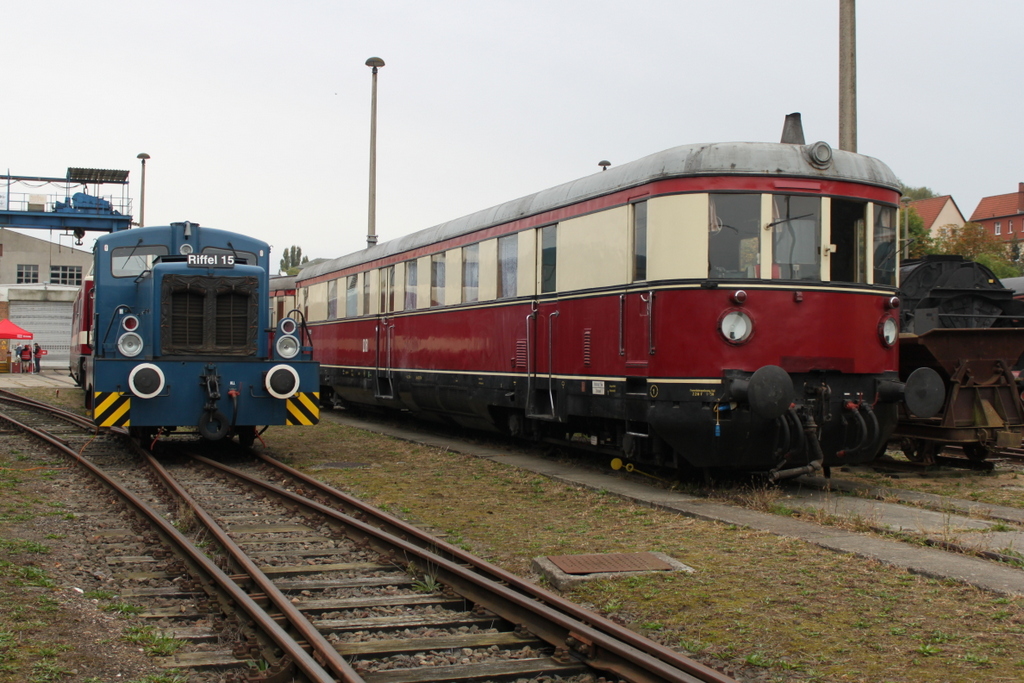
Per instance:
x=888, y=331
x=288, y=326
x=287, y=346
x=282, y=381
x=736, y=327
x=129, y=344
x=146, y=380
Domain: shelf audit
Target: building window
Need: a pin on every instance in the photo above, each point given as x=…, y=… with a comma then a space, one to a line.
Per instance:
x=351, y=297
x=410, y=285
x=508, y=262
x=1009, y=228
x=437, y=279
x=999, y=228
x=471, y=273
x=639, y=241
x=548, y=258
x=28, y=274
x=64, y=275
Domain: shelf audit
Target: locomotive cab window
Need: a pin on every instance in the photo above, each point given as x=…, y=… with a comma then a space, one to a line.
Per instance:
x=133, y=261
x=734, y=239
x=241, y=257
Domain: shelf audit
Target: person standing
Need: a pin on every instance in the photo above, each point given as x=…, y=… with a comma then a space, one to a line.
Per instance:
x=16, y=356
x=38, y=353
x=26, y=358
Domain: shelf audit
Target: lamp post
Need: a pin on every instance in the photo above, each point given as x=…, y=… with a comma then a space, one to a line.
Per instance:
x=142, y=196
x=905, y=205
x=371, y=234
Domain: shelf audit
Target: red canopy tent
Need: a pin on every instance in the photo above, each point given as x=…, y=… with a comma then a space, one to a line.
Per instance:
x=9, y=330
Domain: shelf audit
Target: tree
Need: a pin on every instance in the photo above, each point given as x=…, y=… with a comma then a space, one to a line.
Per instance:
x=293, y=260
x=921, y=242
x=973, y=242
x=916, y=193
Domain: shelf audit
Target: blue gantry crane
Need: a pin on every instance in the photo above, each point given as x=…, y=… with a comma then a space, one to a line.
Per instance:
x=72, y=208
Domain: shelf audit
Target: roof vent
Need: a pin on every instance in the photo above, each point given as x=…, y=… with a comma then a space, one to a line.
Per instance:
x=819, y=154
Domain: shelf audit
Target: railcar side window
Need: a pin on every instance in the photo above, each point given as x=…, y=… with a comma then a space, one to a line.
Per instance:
x=885, y=245
x=366, y=293
x=437, y=279
x=351, y=296
x=332, y=299
x=471, y=273
x=734, y=242
x=548, y=258
x=796, y=231
x=410, y=285
x=508, y=263
x=639, y=241
x=132, y=261
x=387, y=289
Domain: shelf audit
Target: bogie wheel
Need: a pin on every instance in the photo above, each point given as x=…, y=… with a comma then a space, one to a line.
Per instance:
x=976, y=452
x=246, y=436
x=921, y=451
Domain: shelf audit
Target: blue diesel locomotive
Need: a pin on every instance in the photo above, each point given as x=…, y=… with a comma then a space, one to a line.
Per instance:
x=179, y=335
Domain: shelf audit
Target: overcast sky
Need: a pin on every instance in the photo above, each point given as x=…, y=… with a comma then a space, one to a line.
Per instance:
x=256, y=114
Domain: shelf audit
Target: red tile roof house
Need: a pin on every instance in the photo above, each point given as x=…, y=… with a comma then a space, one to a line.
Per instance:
x=938, y=212
x=1002, y=215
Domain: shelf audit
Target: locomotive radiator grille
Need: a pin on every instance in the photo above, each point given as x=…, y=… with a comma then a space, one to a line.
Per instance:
x=113, y=409
x=303, y=409
x=205, y=315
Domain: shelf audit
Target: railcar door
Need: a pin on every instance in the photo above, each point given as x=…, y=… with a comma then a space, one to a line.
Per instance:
x=384, y=387
x=636, y=331
x=542, y=384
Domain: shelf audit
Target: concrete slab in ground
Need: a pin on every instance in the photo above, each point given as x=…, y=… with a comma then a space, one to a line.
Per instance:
x=564, y=581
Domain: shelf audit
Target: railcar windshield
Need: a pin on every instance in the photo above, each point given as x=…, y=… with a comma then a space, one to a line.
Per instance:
x=885, y=245
x=133, y=261
x=734, y=242
x=796, y=230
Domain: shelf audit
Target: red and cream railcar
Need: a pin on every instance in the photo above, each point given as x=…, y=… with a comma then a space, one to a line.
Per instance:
x=81, y=325
x=718, y=305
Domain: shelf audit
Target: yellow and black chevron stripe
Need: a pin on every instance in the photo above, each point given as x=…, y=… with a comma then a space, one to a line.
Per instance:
x=303, y=409
x=112, y=409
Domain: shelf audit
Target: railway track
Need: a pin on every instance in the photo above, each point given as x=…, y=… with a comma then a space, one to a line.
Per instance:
x=261, y=564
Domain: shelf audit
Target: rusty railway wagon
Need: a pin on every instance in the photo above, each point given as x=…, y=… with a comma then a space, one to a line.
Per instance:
x=960, y=320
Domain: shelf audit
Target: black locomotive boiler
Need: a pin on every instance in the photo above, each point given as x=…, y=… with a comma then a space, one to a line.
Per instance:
x=958, y=319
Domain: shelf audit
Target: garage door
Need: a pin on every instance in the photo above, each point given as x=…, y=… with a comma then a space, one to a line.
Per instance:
x=50, y=322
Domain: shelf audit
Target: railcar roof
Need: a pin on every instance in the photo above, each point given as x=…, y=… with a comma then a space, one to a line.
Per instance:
x=710, y=159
